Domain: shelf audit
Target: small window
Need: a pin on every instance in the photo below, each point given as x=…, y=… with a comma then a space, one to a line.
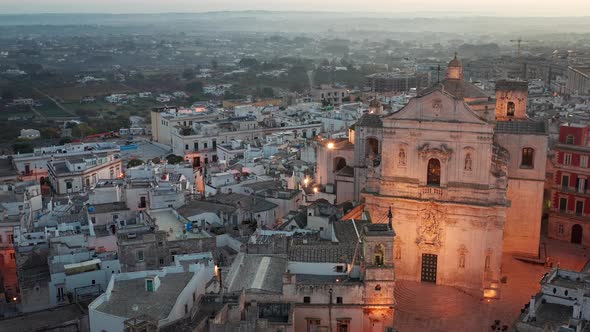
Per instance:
x=339, y=300
x=510, y=109
x=567, y=159
x=560, y=229
x=93, y=282
x=570, y=139
x=161, y=261
x=339, y=268
x=584, y=161
x=306, y=299
x=186, y=309
x=378, y=288
x=527, y=157
x=140, y=256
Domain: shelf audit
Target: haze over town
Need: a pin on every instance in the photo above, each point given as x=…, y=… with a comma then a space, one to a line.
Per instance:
x=294, y=166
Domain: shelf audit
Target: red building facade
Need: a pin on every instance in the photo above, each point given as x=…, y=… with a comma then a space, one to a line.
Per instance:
x=569, y=219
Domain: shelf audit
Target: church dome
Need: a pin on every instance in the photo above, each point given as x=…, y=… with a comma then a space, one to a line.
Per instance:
x=455, y=69
x=455, y=62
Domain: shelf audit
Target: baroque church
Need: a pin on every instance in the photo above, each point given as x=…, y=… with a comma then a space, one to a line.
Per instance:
x=461, y=171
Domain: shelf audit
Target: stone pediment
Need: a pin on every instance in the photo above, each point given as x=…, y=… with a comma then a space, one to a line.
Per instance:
x=437, y=106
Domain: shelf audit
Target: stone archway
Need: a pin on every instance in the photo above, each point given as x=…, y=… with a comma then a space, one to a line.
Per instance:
x=577, y=234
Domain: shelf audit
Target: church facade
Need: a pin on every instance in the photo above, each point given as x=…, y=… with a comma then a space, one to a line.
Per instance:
x=463, y=174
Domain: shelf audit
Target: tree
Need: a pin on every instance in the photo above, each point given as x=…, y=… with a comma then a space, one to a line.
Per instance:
x=134, y=163
x=65, y=140
x=248, y=62
x=7, y=95
x=174, y=159
x=49, y=132
x=194, y=87
x=188, y=74
x=23, y=147
x=82, y=130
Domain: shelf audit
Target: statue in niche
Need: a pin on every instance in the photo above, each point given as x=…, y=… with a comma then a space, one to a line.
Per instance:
x=462, y=251
x=468, y=163
x=402, y=157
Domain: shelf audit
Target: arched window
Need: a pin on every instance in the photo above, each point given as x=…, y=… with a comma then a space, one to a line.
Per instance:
x=488, y=262
x=378, y=254
x=510, y=109
x=372, y=147
x=468, y=162
x=339, y=163
x=527, y=157
x=433, y=172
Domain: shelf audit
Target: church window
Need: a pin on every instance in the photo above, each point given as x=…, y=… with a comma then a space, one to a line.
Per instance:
x=567, y=159
x=402, y=157
x=339, y=163
x=372, y=147
x=378, y=254
x=468, y=162
x=569, y=139
x=433, y=172
x=342, y=325
x=510, y=109
x=527, y=157
x=313, y=325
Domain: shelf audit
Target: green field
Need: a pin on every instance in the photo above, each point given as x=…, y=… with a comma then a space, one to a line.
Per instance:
x=50, y=109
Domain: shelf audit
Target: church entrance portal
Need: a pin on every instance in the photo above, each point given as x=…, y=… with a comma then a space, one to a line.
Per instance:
x=577, y=232
x=429, y=262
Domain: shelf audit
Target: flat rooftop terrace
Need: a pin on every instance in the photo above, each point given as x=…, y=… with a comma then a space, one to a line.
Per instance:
x=174, y=225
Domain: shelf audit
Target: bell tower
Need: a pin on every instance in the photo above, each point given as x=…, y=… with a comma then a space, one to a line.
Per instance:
x=378, y=274
x=455, y=69
x=511, y=100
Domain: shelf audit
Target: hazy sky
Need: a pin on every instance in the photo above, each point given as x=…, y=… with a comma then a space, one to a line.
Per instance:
x=479, y=7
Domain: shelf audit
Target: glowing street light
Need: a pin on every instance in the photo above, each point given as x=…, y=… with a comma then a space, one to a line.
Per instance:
x=315, y=190
x=331, y=145
x=306, y=181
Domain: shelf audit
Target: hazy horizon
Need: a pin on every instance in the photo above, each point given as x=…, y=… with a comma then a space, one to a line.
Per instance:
x=519, y=8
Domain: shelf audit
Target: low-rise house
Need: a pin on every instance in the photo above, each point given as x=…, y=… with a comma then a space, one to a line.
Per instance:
x=251, y=208
x=79, y=174
x=150, y=300
x=562, y=303
x=29, y=134
x=157, y=237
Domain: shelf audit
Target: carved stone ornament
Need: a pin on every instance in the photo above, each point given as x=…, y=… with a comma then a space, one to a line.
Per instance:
x=430, y=231
x=443, y=153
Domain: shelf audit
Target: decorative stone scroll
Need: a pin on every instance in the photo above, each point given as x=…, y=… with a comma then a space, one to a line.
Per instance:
x=442, y=153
